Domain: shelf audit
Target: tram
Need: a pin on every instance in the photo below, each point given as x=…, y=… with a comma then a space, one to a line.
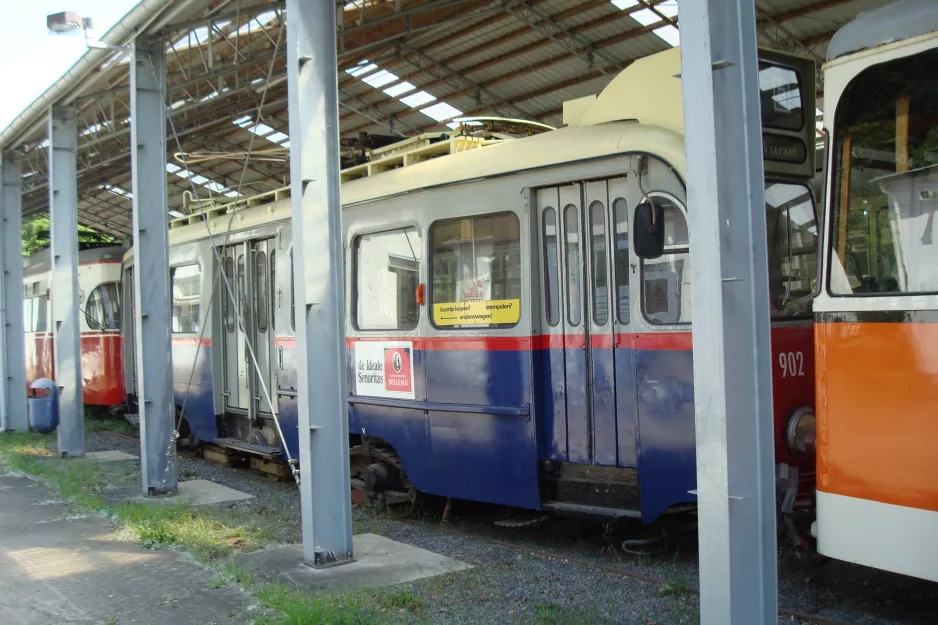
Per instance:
x=505, y=344
x=99, y=274
x=876, y=331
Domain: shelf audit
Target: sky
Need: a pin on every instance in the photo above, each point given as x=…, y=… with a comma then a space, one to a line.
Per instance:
x=23, y=36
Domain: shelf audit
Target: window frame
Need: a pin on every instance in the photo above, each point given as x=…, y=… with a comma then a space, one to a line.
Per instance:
x=833, y=201
x=102, y=300
x=354, y=239
x=576, y=211
x=818, y=219
x=681, y=249
x=172, y=277
x=613, y=237
x=558, y=299
x=430, y=289
x=261, y=271
x=610, y=274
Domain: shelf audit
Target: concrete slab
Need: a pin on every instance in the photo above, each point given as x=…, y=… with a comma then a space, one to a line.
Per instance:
x=193, y=492
x=379, y=561
x=56, y=568
x=111, y=455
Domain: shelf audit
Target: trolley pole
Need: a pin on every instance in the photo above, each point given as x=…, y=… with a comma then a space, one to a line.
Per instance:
x=63, y=214
x=325, y=497
x=12, y=346
x=729, y=274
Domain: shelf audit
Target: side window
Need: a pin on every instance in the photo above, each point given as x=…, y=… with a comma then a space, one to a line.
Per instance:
x=292, y=293
x=260, y=290
x=551, y=267
x=599, y=263
x=476, y=271
x=386, y=274
x=242, y=293
x=574, y=288
x=227, y=305
x=28, y=314
x=41, y=322
x=666, y=280
x=273, y=289
x=112, y=305
x=185, y=285
x=94, y=310
x=620, y=215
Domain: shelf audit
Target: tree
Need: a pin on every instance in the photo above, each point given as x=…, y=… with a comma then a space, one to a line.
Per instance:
x=36, y=236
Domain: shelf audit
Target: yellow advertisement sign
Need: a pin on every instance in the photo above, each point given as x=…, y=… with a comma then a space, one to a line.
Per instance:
x=477, y=313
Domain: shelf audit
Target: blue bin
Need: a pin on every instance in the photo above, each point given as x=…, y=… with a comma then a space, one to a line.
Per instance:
x=44, y=406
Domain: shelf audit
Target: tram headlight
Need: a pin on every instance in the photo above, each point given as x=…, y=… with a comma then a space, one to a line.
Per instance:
x=800, y=434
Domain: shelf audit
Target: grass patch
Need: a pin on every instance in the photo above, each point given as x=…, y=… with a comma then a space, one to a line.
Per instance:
x=213, y=535
x=101, y=420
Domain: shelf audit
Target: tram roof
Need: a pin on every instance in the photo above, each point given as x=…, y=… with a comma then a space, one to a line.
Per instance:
x=405, y=68
x=904, y=19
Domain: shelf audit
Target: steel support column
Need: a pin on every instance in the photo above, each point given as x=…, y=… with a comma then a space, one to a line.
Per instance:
x=320, y=274
x=63, y=215
x=732, y=374
x=151, y=269
x=13, y=414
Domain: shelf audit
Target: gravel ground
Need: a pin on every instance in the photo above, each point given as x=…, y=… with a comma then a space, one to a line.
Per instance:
x=567, y=570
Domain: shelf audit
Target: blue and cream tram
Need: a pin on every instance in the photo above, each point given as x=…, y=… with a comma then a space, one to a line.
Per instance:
x=504, y=342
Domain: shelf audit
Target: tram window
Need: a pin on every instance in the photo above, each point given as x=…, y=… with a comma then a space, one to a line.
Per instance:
x=666, y=280
x=41, y=320
x=780, y=94
x=102, y=310
x=574, y=288
x=273, y=289
x=620, y=215
x=387, y=266
x=292, y=293
x=242, y=293
x=28, y=314
x=551, y=267
x=599, y=262
x=227, y=305
x=792, y=240
x=476, y=271
x=260, y=291
x=185, y=285
x=885, y=159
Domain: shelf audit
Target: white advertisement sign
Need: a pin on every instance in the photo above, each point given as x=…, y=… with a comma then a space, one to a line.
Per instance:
x=384, y=369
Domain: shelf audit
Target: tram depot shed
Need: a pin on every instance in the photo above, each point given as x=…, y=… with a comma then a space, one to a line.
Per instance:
x=243, y=86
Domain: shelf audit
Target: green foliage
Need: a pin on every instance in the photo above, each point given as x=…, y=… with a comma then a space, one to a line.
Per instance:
x=36, y=235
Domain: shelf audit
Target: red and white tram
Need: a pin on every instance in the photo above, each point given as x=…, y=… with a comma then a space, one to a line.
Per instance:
x=99, y=273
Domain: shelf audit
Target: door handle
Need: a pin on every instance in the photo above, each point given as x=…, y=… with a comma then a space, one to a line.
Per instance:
x=280, y=357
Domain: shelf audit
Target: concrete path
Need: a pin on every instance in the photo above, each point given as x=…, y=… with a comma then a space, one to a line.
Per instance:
x=60, y=569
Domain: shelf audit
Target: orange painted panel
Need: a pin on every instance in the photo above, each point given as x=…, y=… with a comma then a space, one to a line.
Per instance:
x=877, y=411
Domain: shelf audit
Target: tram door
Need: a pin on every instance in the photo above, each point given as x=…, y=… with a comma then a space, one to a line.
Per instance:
x=578, y=234
x=248, y=327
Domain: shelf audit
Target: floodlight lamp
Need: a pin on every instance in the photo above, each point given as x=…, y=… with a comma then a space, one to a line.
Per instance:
x=67, y=22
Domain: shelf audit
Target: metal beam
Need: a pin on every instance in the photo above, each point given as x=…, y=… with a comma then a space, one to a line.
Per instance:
x=325, y=496
x=566, y=38
x=151, y=269
x=63, y=217
x=13, y=415
x=442, y=71
x=730, y=294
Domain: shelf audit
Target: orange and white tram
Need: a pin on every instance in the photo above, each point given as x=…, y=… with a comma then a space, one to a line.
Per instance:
x=877, y=312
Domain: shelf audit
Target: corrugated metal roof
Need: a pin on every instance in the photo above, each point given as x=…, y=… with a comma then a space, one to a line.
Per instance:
x=479, y=56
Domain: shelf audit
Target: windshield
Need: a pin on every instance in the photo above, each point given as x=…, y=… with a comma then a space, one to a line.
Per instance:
x=886, y=180
x=792, y=232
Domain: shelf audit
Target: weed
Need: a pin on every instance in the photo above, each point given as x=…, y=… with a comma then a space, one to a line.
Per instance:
x=401, y=600
x=671, y=588
x=301, y=608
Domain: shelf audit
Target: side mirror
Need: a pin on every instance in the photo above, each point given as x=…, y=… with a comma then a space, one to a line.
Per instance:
x=648, y=231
